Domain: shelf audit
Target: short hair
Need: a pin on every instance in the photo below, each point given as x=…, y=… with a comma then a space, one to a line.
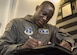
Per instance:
x=48, y=2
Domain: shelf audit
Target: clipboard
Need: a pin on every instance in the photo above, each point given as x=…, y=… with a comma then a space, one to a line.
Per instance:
x=53, y=49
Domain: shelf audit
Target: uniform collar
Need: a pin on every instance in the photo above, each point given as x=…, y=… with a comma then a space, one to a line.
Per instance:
x=29, y=18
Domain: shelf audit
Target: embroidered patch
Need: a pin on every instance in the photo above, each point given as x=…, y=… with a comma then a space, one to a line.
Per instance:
x=28, y=31
x=44, y=31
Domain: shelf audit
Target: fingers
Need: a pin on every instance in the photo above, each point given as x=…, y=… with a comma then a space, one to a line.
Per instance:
x=34, y=41
x=65, y=44
x=39, y=43
x=31, y=43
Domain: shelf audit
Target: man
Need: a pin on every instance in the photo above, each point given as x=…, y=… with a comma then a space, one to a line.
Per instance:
x=32, y=31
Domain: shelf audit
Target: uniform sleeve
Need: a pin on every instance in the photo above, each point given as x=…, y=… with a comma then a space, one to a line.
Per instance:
x=61, y=34
x=8, y=40
x=74, y=52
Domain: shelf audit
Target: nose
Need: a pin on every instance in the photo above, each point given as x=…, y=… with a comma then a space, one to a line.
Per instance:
x=44, y=18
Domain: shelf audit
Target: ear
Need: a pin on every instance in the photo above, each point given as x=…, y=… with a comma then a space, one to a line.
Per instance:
x=37, y=7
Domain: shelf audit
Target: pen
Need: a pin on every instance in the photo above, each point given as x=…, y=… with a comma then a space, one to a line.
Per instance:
x=30, y=37
x=39, y=42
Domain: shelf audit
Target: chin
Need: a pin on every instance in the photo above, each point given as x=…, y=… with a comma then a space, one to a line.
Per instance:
x=40, y=26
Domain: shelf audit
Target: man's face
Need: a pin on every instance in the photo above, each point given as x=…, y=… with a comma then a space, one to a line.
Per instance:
x=43, y=15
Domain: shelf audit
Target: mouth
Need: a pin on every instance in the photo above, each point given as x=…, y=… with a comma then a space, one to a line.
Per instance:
x=41, y=22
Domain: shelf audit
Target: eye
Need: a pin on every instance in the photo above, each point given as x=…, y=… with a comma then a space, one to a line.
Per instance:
x=44, y=13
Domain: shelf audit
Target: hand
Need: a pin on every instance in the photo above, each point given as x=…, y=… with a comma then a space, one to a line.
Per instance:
x=65, y=44
x=31, y=43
